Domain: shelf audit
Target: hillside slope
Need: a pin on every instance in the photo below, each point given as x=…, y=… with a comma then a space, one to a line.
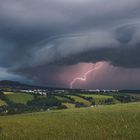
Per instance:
x=114, y=122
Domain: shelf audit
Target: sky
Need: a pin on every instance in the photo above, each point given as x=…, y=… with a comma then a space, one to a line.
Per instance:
x=52, y=42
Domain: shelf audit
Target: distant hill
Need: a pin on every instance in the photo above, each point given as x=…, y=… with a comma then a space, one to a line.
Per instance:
x=129, y=91
x=10, y=83
x=17, y=85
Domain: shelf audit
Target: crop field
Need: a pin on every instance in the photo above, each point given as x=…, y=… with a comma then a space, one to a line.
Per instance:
x=113, y=122
x=80, y=100
x=19, y=97
x=2, y=102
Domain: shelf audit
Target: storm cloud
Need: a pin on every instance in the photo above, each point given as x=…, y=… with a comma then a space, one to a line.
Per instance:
x=47, y=36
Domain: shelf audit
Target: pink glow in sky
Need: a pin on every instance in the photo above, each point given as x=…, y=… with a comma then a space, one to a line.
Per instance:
x=84, y=78
x=105, y=77
x=78, y=73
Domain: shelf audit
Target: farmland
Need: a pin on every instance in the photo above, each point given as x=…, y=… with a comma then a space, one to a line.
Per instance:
x=18, y=97
x=112, y=122
x=63, y=99
x=20, y=102
x=98, y=99
x=96, y=96
x=69, y=105
x=80, y=100
x=2, y=102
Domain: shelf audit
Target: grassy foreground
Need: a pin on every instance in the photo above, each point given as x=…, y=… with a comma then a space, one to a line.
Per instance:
x=113, y=122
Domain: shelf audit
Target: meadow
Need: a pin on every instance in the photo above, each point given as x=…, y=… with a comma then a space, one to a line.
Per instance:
x=22, y=98
x=96, y=96
x=109, y=122
x=63, y=99
x=80, y=100
x=2, y=102
x=69, y=105
x=98, y=99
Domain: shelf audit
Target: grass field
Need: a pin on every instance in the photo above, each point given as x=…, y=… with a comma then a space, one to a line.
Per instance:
x=2, y=102
x=19, y=97
x=97, y=96
x=134, y=94
x=81, y=100
x=113, y=122
x=69, y=105
x=63, y=99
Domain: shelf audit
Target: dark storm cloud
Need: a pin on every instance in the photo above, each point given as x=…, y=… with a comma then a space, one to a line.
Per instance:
x=120, y=47
x=36, y=35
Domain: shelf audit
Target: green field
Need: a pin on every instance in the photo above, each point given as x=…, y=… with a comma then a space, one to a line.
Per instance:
x=63, y=99
x=80, y=100
x=2, y=102
x=95, y=96
x=19, y=97
x=98, y=99
x=69, y=105
x=134, y=94
x=113, y=122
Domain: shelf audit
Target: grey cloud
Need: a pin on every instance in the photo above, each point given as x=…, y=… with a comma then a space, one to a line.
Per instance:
x=120, y=47
x=4, y=74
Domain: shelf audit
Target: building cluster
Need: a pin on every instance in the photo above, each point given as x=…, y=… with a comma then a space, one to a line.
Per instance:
x=46, y=92
x=98, y=90
x=36, y=91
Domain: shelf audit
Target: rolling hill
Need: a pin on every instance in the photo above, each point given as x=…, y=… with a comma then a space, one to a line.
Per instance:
x=114, y=122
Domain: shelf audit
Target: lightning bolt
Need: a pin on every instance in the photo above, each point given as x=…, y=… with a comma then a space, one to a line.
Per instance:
x=84, y=78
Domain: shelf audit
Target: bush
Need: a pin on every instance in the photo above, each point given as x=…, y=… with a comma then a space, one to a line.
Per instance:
x=123, y=98
x=78, y=104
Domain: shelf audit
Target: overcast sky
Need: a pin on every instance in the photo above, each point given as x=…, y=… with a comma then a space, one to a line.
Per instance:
x=50, y=42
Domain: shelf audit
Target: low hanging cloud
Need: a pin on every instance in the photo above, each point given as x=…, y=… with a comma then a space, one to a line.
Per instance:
x=45, y=35
x=119, y=47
